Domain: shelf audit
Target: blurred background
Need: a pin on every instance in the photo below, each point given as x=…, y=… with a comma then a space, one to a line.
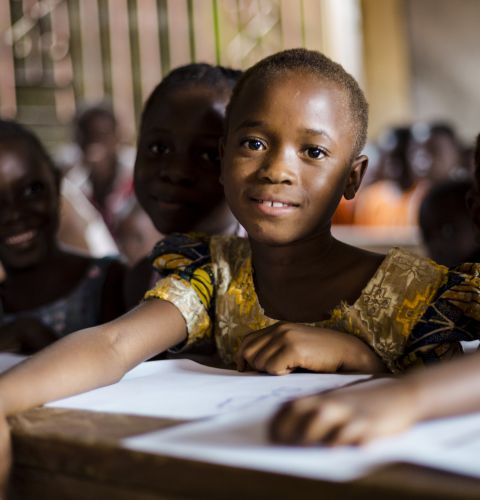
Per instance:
x=417, y=61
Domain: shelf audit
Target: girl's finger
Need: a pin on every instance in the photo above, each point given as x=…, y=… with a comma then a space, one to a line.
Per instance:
x=250, y=346
x=322, y=424
x=351, y=433
x=278, y=360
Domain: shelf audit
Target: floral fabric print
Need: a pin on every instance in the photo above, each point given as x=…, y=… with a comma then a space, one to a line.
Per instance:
x=412, y=311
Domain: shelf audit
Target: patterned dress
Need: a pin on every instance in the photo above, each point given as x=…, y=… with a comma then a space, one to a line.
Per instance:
x=412, y=311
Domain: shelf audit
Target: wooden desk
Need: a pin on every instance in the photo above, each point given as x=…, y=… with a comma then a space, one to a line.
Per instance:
x=65, y=454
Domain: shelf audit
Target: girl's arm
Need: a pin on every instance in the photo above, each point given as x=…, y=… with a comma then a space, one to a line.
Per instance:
x=361, y=414
x=93, y=357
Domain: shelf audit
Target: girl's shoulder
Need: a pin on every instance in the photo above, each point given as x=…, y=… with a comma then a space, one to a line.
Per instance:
x=403, y=263
x=179, y=250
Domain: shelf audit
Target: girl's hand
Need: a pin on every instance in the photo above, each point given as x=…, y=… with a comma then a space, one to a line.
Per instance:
x=283, y=347
x=350, y=416
x=5, y=455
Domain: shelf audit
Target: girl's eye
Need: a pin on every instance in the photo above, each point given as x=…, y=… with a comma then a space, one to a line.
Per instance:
x=254, y=144
x=33, y=189
x=158, y=149
x=315, y=153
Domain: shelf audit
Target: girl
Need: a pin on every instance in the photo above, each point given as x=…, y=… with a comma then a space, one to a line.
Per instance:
x=177, y=167
x=289, y=297
x=360, y=415
x=76, y=291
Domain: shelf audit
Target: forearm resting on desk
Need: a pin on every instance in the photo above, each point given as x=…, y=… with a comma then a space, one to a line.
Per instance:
x=446, y=389
x=92, y=358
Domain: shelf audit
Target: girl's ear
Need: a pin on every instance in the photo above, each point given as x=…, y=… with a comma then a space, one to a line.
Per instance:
x=357, y=171
x=221, y=152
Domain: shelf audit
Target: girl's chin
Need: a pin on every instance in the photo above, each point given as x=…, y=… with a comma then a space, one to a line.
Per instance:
x=271, y=238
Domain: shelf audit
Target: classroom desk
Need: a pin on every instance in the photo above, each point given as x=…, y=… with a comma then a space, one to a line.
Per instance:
x=71, y=455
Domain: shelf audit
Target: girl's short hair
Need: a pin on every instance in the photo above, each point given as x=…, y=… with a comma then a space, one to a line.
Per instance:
x=12, y=132
x=215, y=77
x=310, y=61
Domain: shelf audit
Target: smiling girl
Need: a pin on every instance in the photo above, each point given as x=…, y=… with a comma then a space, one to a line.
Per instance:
x=291, y=296
x=48, y=292
x=177, y=167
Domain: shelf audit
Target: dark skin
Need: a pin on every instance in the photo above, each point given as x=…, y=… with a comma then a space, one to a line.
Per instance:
x=288, y=166
x=29, y=251
x=297, y=234
x=177, y=170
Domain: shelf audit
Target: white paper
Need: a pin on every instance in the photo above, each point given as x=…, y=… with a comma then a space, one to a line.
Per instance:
x=240, y=440
x=184, y=389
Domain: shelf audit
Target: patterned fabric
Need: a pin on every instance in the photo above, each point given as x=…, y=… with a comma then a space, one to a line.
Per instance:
x=453, y=316
x=397, y=314
x=77, y=310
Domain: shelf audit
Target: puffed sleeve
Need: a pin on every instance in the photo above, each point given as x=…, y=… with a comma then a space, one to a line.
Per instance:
x=187, y=282
x=453, y=316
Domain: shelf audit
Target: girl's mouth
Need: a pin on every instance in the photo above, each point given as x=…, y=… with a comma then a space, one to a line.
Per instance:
x=274, y=207
x=21, y=239
x=273, y=203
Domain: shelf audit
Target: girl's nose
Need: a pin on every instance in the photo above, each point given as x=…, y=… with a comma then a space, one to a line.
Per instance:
x=278, y=169
x=178, y=170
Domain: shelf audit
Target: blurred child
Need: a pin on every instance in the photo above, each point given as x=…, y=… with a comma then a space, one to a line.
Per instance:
x=356, y=416
x=447, y=228
x=291, y=296
x=100, y=165
x=393, y=199
x=48, y=292
x=435, y=154
x=177, y=168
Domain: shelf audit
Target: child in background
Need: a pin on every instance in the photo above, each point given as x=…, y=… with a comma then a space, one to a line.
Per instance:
x=393, y=199
x=48, y=292
x=447, y=229
x=177, y=168
x=100, y=165
x=291, y=296
x=348, y=417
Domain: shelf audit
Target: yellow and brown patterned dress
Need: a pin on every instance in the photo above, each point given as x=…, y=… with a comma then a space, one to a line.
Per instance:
x=412, y=311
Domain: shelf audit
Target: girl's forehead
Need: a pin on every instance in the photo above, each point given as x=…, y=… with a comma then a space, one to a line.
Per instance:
x=309, y=97
x=305, y=82
x=18, y=160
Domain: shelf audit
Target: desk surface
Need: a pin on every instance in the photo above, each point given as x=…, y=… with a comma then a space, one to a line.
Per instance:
x=67, y=454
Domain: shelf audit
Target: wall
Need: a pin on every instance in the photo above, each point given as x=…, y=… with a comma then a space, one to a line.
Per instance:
x=444, y=38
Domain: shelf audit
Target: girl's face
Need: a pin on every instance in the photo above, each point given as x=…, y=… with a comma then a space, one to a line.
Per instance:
x=29, y=203
x=178, y=167
x=287, y=157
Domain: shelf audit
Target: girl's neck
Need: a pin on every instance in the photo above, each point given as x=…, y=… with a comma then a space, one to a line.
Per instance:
x=289, y=280
x=57, y=275
x=46, y=265
x=293, y=257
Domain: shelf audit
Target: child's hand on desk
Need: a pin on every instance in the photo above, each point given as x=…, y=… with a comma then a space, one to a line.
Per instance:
x=350, y=416
x=281, y=348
